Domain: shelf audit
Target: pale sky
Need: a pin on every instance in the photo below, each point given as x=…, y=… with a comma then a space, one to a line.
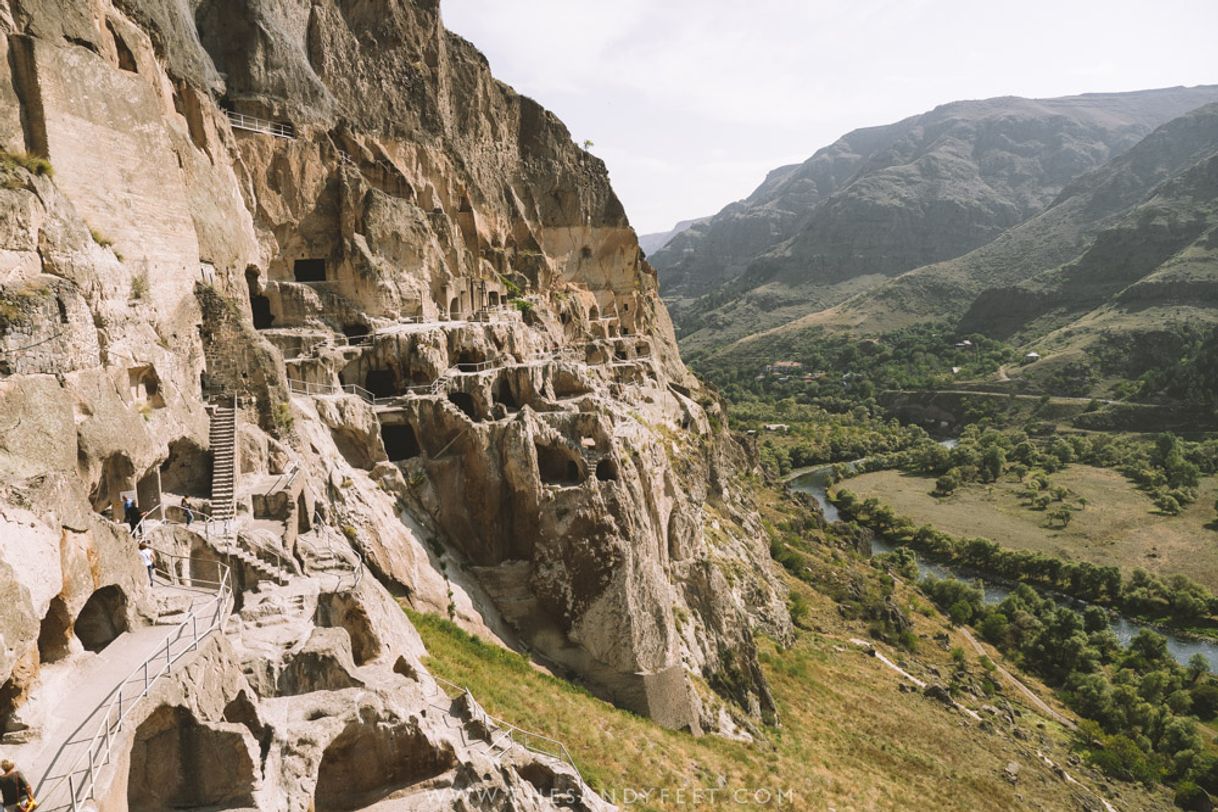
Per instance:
x=691, y=102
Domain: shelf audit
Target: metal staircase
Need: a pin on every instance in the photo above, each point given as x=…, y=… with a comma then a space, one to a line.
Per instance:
x=223, y=442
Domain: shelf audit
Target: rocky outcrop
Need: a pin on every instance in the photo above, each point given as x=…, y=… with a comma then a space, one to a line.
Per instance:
x=454, y=380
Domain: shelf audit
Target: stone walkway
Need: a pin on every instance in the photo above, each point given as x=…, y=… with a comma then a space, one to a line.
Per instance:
x=86, y=684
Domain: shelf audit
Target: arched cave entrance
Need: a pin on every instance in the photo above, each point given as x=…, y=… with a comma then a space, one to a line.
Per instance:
x=187, y=469
x=400, y=441
x=502, y=393
x=260, y=306
x=55, y=633
x=117, y=475
x=606, y=470
x=558, y=466
x=178, y=763
x=454, y=308
x=382, y=383
x=370, y=759
x=465, y=402
x=594, y=313
x=102, y=619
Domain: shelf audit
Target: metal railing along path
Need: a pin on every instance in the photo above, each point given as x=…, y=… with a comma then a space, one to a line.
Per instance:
x=510, y=734
x=241, y=121
x=75, y=784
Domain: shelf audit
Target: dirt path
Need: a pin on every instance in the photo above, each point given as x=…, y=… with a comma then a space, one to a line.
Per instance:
x=1039, y=703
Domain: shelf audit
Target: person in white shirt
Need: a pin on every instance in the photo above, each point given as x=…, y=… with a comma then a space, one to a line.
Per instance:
x=149, y=562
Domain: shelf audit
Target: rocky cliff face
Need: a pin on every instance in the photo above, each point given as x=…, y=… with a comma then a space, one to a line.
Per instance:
x=885, y=200
x=447, y=355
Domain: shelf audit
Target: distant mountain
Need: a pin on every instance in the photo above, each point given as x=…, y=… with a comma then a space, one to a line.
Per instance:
x=885, y=200
x=650, y=243
x=1117, y=276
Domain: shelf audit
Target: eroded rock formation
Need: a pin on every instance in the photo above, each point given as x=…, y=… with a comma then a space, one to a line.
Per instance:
x=449, y=362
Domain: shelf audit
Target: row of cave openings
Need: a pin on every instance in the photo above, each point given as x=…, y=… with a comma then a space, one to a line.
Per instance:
x=180, y=762
x=556, y=464
x=313, y=271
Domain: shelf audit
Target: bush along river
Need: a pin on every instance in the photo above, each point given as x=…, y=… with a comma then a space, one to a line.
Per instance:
x=815, y=482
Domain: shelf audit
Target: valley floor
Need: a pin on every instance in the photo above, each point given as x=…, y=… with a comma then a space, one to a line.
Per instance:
x=1118, y=525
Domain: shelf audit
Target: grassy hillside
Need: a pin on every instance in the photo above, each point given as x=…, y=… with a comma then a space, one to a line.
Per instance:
x=854, y=734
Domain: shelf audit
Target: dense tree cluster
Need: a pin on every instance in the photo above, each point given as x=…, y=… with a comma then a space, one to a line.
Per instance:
x=1177, y=600
x=1142, y=705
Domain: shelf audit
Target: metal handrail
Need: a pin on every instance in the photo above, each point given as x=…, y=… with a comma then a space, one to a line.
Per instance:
x=260, y=125
x=557, y=751
x=226, y=541
x=81, y=780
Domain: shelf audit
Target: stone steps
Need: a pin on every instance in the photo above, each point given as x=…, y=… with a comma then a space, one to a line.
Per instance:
x=223, y=443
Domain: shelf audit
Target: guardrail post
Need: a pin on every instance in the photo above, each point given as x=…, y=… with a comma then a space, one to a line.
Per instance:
x=72, y=791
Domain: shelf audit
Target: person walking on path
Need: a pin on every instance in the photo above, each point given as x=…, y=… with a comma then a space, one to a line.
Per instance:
x=131, y=513
x=17, y=794
x=189, y=514
x=149, y=561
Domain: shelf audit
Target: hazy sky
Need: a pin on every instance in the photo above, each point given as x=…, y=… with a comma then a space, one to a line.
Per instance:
x=690, y=102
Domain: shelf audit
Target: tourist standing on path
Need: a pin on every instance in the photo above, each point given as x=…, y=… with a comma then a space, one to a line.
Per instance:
x=131, y=513
x=148, y=559
x=17, y=794
x=190, y=516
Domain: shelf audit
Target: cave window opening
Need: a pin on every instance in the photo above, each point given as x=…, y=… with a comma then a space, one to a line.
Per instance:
x=55, y=632
x=382, y=383
x=594, y=313
x=557, y=466
x=370, y=760
x=642, y=348
x=102, y=619
x=454, y=309
x=63, y=310
x=585, y=253
x=309, y=270
x=492, y=299
x=465, y=402
x=621, y=355
x=502, y=393
x=356, y=330
x=145, y=386
x=179, y=763
x=606, y=471
x=303, y=524
x=126, y=59
x=565, y=317
x=401, y=442
x=260, y=306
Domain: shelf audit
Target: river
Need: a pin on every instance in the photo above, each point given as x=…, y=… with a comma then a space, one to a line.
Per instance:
x=815, y=481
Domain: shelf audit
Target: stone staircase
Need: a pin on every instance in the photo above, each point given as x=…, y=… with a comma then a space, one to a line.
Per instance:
x=223, y=441
x=231, y=546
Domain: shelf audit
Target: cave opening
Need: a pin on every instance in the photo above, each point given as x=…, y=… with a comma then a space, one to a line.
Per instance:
x=502, y=394
x=117, y=475
x=594, y=313
x=558, y=466
x=466, y=403
x=260, y=306
x=187, y=469
x=102, y=619
x=178, y=763
x=55, y=632
x=371, y=759
x=401, y=442
x=356, y=330
x=382, y=383
x=309, y=270
x=454, y=308
x=606, y=470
